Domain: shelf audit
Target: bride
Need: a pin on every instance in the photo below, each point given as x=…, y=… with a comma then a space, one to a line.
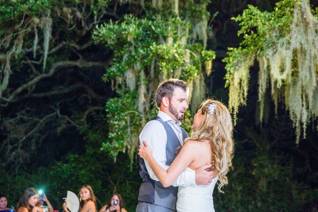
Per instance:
x=210, y=143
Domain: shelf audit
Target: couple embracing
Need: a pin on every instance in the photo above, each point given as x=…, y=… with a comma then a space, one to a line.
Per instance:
x=183, y=181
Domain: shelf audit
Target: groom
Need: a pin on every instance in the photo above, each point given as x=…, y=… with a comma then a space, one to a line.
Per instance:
x=164, y=136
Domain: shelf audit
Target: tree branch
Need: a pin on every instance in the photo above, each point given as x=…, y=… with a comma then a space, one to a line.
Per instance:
x=54, y=69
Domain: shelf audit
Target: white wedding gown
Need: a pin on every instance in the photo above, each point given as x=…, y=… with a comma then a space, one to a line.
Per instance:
x=196, y=198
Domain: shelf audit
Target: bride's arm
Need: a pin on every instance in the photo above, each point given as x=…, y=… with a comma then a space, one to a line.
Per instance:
x=181, y=162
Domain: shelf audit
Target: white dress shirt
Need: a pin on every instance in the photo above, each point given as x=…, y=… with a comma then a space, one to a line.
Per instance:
x=155, y=136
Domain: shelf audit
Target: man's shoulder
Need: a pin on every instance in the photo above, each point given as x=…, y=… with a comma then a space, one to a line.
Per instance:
x=153, y=123
x=152, y=128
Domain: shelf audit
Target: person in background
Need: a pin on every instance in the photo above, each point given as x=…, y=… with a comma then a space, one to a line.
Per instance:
x=44, y=203
x=116, y=203
x=4, y=203
x=87, y=200
x=29, y=201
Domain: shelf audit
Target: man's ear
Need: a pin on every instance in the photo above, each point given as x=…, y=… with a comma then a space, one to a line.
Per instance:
x=165, y=101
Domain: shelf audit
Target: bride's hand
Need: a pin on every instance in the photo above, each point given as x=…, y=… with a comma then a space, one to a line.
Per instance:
x=144, y=151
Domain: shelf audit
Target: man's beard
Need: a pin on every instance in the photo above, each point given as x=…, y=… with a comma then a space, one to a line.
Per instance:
x=174, y=112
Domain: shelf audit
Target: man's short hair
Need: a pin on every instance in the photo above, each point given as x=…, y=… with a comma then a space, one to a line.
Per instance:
x=167, y=87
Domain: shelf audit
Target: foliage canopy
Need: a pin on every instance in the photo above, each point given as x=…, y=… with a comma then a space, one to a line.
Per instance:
x=285, y=44
x=146, y=51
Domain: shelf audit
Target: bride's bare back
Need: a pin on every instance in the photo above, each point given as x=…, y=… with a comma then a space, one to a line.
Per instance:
x=201, y=153
x=193, y=154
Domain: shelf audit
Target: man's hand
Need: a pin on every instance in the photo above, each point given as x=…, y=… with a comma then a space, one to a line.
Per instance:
x=144, y=151
x=204, y=175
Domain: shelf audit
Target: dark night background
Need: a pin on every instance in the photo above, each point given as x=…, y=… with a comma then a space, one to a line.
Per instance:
x=51, y=133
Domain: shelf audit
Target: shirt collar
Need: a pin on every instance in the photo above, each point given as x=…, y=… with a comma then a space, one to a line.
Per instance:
x=165, y=117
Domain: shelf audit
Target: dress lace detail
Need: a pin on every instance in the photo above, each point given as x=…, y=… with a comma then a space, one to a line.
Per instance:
x=196, y=198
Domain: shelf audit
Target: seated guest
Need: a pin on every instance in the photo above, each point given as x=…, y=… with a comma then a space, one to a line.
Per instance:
x=115, y=203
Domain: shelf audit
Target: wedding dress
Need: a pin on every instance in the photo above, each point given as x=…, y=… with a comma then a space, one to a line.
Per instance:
x=196, y=198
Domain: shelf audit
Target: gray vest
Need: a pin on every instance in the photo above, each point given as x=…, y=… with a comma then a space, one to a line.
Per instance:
x=152, y=191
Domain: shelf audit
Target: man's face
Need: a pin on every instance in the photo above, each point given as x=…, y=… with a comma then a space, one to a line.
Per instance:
x=3, y=203
x=178, y=103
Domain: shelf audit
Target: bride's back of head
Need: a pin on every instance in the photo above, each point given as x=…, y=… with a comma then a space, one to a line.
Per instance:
x=217, y=127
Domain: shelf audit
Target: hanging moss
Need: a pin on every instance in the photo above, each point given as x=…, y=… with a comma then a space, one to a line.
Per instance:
x=285, y=45
x=21, y=21
x=47, y=31
x=198, y=92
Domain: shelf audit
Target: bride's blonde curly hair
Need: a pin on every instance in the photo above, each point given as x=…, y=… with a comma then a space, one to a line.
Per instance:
x=217, y=127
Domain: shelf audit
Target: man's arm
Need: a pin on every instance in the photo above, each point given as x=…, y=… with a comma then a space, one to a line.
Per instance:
x=155, y=136
x=167, y=177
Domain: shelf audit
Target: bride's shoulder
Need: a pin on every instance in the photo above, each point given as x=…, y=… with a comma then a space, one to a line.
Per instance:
x=191, y=143
x=196, y=144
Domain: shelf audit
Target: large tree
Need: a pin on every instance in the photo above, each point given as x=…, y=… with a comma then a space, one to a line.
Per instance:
x=46, y=86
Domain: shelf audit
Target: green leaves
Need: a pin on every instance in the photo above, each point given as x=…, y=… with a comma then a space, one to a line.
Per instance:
x=124, y=124
x=208, y=55
x=284, y=43
x=15, y=9
x=259, y=31
x=146, y=51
